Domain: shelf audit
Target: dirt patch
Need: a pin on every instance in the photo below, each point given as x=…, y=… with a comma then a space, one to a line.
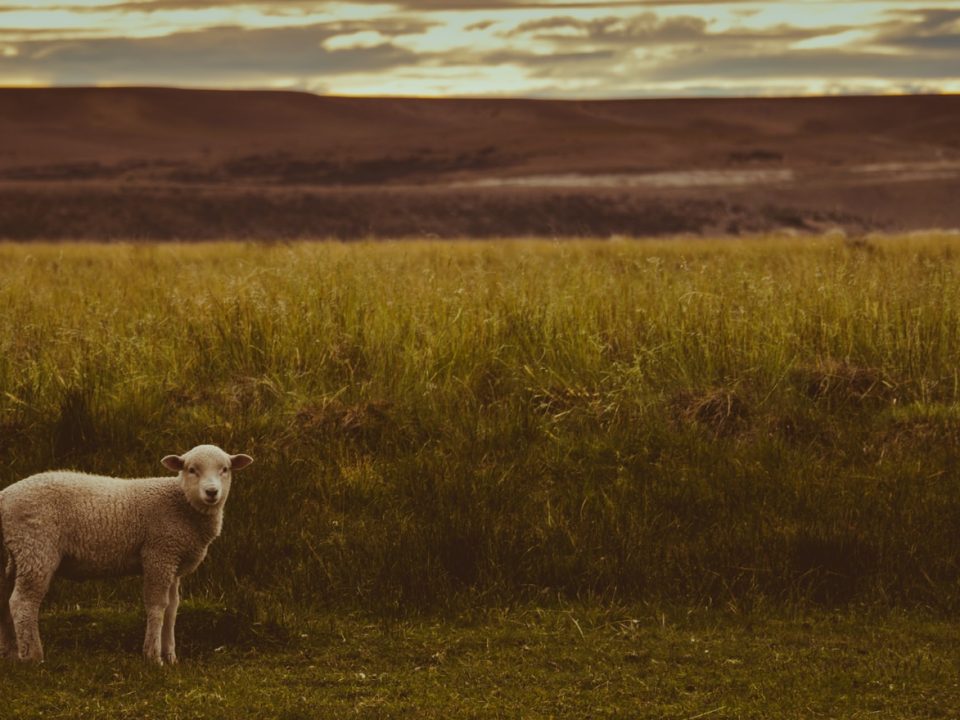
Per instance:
x=755, y=155
x=840, y=381
x=360, y=421
x=902, y=172
x=150, y=213
x=698, y=178
x=720, y=410
x=285, y=169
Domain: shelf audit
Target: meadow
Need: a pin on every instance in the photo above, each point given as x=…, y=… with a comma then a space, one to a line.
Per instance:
x=579, y=459
x=721, y=423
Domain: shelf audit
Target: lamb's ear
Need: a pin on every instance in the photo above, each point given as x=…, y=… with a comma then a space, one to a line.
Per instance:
x=173, y=462
x=238, y=462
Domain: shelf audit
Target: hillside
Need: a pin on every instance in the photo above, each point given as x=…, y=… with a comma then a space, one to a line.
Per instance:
x=167, y=163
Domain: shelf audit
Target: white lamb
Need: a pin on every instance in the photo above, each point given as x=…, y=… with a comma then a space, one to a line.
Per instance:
x=83, y=526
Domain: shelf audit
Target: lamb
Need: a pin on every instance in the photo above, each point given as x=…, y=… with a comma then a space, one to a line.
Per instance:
x=82, y=526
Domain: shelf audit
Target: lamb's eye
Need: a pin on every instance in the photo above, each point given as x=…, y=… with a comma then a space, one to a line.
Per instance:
x=192, y=471
x=223, y=470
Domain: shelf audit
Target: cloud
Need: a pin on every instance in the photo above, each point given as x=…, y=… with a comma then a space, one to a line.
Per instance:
x=925, y=44
x=549, y=60
x=649, y=29
x=646, y=27
x=686, y=51
x=813, y=64
x=923, y=30
x=479, y=26
x=617, y=47
x=216, y=55
x=151, y=6
x=932, y=20
x=645, y=54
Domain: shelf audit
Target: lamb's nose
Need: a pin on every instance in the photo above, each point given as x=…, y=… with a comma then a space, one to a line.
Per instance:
x=212, y=493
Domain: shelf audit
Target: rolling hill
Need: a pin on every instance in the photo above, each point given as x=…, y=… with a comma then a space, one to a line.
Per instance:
x=164, y=163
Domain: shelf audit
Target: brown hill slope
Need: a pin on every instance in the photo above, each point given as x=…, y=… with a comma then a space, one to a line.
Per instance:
x=153, y=162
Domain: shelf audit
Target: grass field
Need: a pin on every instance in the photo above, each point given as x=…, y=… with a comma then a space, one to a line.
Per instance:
x=762, y=433
x=720, y=423
x=565, y=662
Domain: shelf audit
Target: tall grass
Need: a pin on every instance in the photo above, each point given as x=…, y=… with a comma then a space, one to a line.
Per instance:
x=722, y=422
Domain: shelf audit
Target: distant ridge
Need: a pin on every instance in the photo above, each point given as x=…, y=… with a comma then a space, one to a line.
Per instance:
x=813, y=162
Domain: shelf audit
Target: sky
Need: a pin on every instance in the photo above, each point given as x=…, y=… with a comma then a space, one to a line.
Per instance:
x=466, y=48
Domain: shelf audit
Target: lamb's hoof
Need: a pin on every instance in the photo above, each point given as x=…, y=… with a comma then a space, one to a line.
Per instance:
x=153, y=659
x=170, y=658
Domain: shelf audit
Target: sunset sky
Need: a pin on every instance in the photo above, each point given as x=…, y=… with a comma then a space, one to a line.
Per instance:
x=533, y=48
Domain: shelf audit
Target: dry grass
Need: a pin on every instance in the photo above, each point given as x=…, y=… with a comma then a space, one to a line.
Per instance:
x=728, y=423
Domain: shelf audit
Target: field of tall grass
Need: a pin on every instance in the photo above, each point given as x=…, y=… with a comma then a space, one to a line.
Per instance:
x=726, y=422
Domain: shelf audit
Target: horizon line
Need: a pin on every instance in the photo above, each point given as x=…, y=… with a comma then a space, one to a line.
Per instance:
x=505, y=98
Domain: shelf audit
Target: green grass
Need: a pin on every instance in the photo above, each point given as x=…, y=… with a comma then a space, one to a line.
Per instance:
x=569, y=661
x=680, y=479
x=441, y=425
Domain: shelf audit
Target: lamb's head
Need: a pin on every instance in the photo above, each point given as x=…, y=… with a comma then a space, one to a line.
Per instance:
x=205, y=474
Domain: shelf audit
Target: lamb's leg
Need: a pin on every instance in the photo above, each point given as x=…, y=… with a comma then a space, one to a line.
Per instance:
x=156, y=597
x=8, y=636
x=28, y=592
x=168, y=643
